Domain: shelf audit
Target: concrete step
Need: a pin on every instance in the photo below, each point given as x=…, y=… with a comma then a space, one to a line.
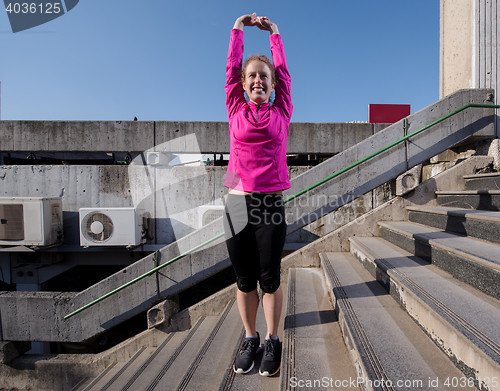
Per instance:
x=314, y=352
x=473, y=261
x=82, y=384
x=470, y=199
x=172, y=370
x=389, y=350
x=490, y=181
x=479, y=224
x=122, y=376
x=169, y=362
x=105, y=377
x=461, y=320
x=126, y=369
x=252, y=380
x=210, y=364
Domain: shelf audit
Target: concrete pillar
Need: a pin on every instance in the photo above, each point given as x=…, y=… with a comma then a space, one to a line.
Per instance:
x=469, y=45
x=456, y=46
x=469, y=52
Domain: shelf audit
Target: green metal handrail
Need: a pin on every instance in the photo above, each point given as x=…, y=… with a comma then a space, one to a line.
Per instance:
x=406, y=137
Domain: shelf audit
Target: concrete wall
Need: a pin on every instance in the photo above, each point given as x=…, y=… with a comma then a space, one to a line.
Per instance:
x=172, y=196
x=470, y=39
x=167, y=136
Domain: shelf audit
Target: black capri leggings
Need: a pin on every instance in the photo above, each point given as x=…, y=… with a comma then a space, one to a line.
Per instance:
x=255, y=232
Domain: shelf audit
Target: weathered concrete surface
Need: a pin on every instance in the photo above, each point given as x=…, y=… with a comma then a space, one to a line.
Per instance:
x=391, y=163
x=167, y=136
x=469, y=45
x=456, y=46
x=408, y=181
x=393, y=210
x=347, y=213
x=63, y=372
x=213, y=257
x=82, y=136
x=170, y=195
x=11, y=350
x=161, y=313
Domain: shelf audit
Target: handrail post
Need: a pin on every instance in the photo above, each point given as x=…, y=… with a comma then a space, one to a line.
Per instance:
x=155, y=262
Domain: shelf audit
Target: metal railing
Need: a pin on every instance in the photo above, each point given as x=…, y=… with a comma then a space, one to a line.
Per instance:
x=157, y=268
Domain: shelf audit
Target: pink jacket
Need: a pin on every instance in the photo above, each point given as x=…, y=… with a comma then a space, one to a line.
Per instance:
x=258, y=133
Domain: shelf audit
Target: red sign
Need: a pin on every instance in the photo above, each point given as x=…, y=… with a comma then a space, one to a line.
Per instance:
x=387, y=114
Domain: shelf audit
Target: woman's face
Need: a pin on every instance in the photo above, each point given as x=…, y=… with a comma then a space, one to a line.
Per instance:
x=258, y=83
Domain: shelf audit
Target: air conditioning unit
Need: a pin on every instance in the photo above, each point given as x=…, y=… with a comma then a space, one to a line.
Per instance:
x=209, y=213
x=110, y=227
x=31, y=221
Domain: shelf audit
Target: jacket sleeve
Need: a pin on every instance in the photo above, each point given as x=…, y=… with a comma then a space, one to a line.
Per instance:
x=234, y=89
x=283, y=92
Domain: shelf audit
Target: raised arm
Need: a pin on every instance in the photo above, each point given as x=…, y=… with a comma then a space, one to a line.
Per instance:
x=283, y=93
x=234, y=89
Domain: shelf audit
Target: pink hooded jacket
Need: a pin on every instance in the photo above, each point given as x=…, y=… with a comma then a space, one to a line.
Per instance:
x=258, y=133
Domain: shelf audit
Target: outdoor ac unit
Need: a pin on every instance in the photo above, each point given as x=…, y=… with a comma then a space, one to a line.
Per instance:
x=30, y=221
x=209, y=213
x=110, y=227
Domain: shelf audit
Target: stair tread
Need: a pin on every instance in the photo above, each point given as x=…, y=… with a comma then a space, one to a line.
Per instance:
x=214, y=357
x=440, y=291
x=155, y=361
x=383, y=333
x=481, y=251
x=83, y=384
x=182, y=361
x=104, y=377
x=128, y=372
x=475, y=214
x=173, y=357
x=314, y=348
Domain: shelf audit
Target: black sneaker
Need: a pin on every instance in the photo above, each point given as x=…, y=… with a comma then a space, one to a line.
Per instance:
x=271, y=361
x=244, y=361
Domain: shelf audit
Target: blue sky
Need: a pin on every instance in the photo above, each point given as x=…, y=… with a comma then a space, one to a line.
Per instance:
x=165, y=60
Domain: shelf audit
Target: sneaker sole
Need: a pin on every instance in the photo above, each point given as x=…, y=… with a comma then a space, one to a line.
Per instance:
x=241, y=371
x=266, y=373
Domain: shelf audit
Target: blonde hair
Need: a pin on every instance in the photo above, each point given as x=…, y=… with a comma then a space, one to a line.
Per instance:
x=259, y=57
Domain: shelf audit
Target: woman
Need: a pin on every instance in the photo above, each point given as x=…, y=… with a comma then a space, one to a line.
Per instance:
x=257, y=173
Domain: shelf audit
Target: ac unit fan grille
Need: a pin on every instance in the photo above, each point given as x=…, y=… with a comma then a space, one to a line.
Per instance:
x=11, y=222
x=94, y=231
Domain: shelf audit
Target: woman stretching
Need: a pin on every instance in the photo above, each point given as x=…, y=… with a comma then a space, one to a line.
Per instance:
x=257, y=173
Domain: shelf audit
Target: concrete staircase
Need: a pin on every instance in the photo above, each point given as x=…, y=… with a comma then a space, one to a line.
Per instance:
x=415, y=308
x=202, y=357
x=441, y=268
